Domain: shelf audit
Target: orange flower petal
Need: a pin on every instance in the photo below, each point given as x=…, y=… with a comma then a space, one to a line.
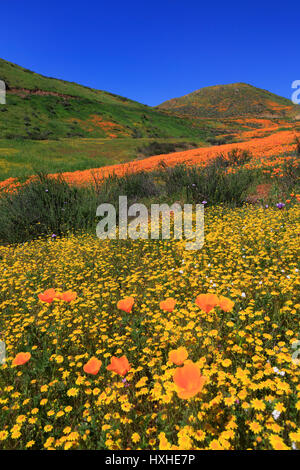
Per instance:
x=47, y=296
x=92, y=366
x=178, y=356
x=207, y=302
x=68, y=296
x=226, y=304
x=188, y=380
x=168, y=305
x=119, y=365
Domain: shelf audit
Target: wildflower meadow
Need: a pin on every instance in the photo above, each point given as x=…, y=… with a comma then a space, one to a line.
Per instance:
x=141, y=344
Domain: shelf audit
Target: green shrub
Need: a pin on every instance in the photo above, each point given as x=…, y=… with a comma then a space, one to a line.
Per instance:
x=210, y=184
x=133, y=185
x=51, y=207
x=236, y=157
x=45, y=206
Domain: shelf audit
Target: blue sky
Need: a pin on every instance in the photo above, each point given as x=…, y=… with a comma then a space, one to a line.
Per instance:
x=153, y=50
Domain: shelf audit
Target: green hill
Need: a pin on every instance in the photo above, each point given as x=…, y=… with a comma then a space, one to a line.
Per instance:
x=237, y=99
x=39, y=108
x=52, y=125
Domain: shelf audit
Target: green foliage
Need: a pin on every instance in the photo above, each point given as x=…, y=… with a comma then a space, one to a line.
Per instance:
x=210, y=184
x=23, y=158
x=45, y=207
x=236, y=157
x=235, y=99
x=290, y=179
x=48, y=206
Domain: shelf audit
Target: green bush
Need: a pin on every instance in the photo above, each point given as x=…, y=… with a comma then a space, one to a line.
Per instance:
x=45, y=206
x=235, y=157
x=210, y=184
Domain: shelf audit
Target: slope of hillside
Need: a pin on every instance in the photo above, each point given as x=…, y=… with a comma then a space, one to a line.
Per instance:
x=53, y=125
x=236, y=99
x=267, y=152
x=39, y=107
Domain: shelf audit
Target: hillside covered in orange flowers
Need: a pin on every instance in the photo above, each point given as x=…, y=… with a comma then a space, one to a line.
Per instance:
x=267, y=152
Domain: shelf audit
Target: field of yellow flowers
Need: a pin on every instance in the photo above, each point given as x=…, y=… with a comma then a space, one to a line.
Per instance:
x=138, y=344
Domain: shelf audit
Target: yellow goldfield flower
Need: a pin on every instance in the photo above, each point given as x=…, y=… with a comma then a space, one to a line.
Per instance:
x=135, y=437
x=258, y=404
x=226, y=363
x=48, y=428
x=3, y=435
x=30, y=444
x=277, y=442
x=73, y=392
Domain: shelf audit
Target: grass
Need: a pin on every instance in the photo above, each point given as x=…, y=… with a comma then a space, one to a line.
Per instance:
x=42, y=108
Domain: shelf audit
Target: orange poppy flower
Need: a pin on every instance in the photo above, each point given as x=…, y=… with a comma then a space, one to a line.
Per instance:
x=168, y=305
x=207, y=302
x=178, y=356
x=21, y=358
x=120, y=365
x=226, y=304
x=92, y=366
x=188, y=380
x=68, y=296
x=48, y=296
x=126, y=304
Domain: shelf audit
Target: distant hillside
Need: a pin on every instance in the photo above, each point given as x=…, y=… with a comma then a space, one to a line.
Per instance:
x=232, y=100
x=40, y=108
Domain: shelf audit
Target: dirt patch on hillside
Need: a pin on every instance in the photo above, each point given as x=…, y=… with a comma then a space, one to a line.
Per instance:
x=23, y=92
x=261, y=194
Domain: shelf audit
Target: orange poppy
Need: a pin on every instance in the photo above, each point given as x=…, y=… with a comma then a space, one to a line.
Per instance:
x=21, y=358
x=226, y=304
x=92, y=366
x=207, y=302
x=68, y=296
x=178, y=356
x=120, y=365
x=188, y=380
x=168, y=305
x=126, y=304
x=48, y=296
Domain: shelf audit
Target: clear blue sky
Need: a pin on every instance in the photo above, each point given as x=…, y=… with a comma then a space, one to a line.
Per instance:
x=150, y=50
